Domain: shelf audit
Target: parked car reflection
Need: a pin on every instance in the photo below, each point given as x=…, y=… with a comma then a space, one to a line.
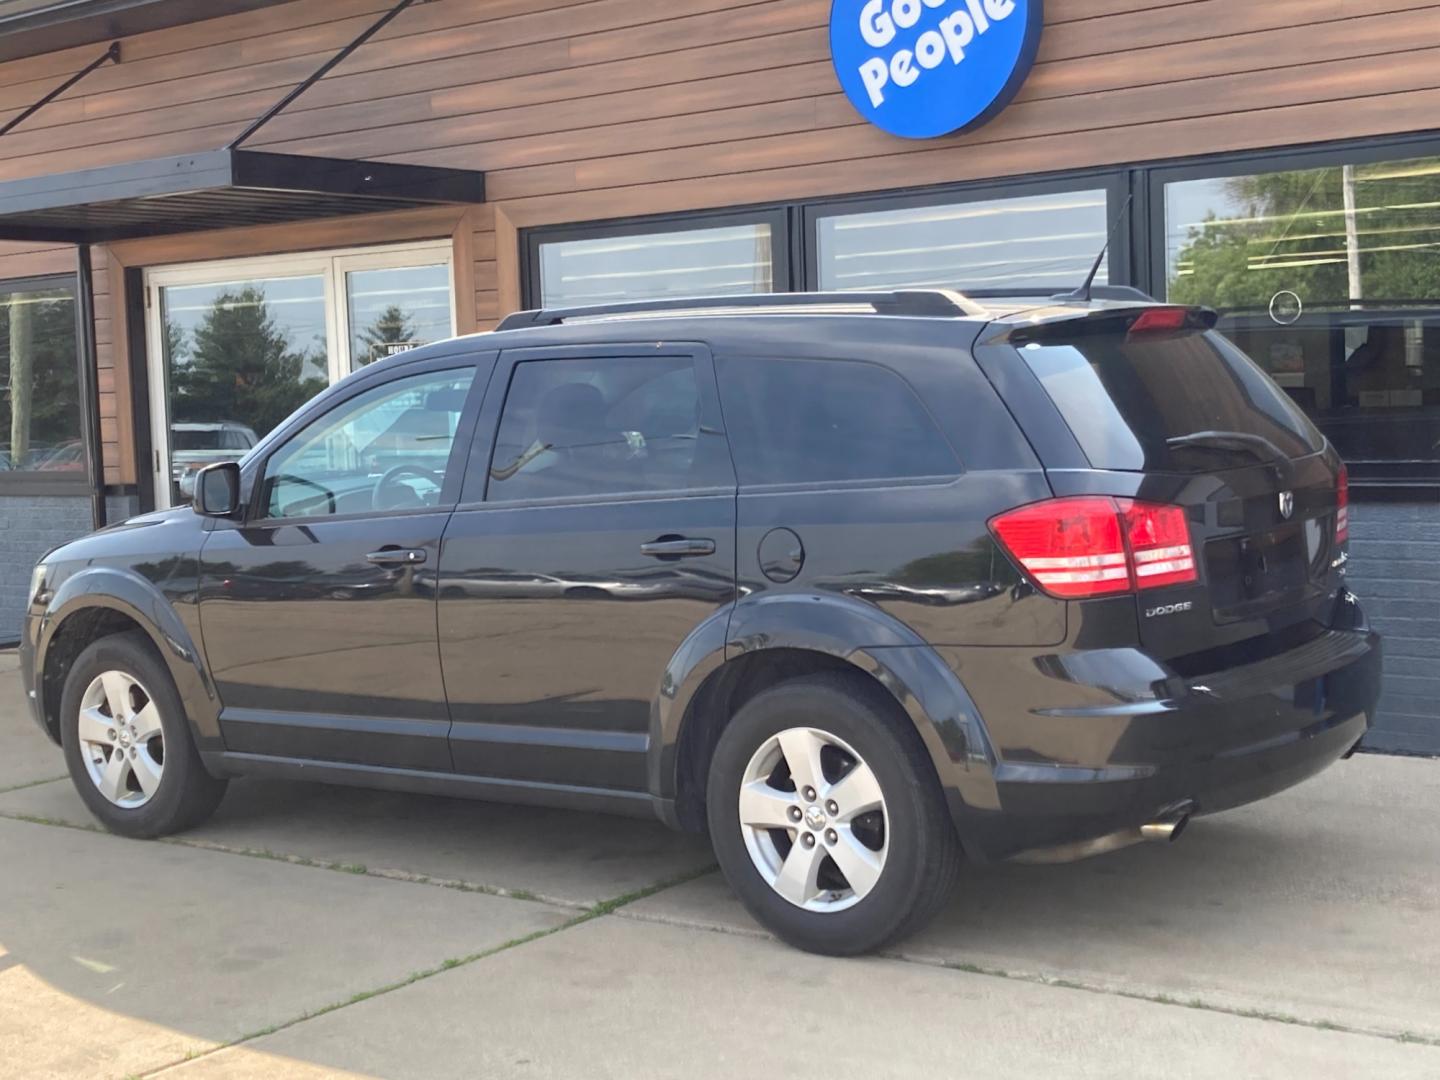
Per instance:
x=195, y=445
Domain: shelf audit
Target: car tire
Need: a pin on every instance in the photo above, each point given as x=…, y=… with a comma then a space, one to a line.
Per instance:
x=157, y=784
x=904, y=864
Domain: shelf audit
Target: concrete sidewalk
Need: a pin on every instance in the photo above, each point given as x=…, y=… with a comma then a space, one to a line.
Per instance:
x=312, y=932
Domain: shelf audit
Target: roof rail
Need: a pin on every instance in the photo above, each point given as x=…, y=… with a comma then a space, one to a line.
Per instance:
x=1097, y=292
x=930, y=302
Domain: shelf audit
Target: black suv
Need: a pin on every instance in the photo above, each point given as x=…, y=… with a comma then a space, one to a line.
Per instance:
x=862, y=583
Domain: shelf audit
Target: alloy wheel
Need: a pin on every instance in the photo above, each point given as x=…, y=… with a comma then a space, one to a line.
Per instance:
x=121, y=740
x=813, y=818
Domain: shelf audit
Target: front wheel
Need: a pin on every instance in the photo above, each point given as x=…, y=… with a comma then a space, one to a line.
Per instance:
x=127, y=741
x=826, y=816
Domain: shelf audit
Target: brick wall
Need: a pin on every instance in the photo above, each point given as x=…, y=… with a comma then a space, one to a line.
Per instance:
x=31, y=525
x=1395, y=570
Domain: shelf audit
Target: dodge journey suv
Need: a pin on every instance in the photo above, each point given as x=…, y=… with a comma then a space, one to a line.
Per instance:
x=864, y=585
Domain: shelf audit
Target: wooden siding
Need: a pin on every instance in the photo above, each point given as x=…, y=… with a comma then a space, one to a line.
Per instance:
x=588, y=109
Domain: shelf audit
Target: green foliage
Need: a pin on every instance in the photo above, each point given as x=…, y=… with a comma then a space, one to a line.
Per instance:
x=55, y=401
x=1288, y=232
x=391, y=327
x=240, y=366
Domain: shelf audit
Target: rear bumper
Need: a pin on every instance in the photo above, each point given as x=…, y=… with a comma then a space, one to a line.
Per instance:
x=1214, y=741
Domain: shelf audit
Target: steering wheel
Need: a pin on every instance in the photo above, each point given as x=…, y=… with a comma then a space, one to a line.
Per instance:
x=410, y=497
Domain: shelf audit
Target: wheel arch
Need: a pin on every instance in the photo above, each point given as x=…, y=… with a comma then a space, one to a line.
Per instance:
x=99, y=601
x=726, y=661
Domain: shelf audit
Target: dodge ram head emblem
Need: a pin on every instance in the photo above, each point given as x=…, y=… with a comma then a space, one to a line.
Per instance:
x=1287, y=504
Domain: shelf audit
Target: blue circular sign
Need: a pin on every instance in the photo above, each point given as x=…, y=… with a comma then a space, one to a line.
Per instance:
x=922, y=68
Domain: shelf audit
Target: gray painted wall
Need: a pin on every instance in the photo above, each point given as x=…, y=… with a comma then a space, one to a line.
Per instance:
x=31, y=525
x=1395, y=570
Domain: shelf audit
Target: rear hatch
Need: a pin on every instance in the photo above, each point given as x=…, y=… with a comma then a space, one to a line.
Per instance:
x=1231, y=505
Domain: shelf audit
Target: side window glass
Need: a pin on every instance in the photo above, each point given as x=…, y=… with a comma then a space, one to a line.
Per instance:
x=605, y=426
x=817, y=421
x=387, y=449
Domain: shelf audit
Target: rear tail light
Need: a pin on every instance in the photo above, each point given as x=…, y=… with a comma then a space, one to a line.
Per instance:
x=1159, y=540
x=1342, y=506
x=1095, y=545
x=1170, y=320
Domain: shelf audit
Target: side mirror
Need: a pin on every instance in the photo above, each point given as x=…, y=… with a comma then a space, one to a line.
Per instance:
x=217, y=490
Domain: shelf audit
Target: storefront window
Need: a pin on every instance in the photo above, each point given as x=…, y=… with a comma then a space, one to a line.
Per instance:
x=40, y=405
x=1032, y=241
x=394, y=309
x=1330, y=278
x=726, y=260
x=236, y=347
x=240, y=357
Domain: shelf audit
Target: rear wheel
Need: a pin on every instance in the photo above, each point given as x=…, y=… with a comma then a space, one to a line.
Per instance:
x=826, y=816
x=127, y=741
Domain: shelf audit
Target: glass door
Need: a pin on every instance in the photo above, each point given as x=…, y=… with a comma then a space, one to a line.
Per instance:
x=236, y=347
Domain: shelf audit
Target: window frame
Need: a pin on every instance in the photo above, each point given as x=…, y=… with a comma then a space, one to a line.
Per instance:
x=1152, y=179
x=256, y=509
x=778, y=217
x=31, y=481
x=487, y=431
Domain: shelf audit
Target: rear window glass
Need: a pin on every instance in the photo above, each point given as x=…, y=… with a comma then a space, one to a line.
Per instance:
x=818, y=421
x=204, y=439
x=1187, y=402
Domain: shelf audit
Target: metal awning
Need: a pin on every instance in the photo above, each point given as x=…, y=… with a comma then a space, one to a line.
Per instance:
x=218, y=189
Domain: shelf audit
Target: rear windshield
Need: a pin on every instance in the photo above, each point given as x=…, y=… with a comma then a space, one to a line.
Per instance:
x=203, y=439
x=1183, y=402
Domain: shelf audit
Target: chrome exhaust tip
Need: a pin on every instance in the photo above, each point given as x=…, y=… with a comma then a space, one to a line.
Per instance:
x=1166, y=829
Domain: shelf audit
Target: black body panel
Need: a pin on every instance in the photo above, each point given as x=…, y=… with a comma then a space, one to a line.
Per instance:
x=538, y=654
x=317, y=652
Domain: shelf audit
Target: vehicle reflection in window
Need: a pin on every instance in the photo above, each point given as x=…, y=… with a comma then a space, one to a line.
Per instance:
x=385, y=450
x=196, y=445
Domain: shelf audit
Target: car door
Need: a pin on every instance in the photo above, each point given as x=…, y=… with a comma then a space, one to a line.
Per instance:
x=318, y=609
x=595, y=532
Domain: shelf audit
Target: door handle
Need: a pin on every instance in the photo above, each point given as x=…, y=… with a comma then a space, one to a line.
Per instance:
x=677, y=547
x=397, y=557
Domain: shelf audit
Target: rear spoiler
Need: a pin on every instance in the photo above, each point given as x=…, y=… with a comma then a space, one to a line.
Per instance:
x=1140, y=319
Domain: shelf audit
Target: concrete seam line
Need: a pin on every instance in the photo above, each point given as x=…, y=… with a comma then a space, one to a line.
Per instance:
x=1161, y=998
x=600, y=910
x=680, y=923
x=358, y=869
x=56, y=823
x=1060, y=982
x=32, y=783
x=361, y=870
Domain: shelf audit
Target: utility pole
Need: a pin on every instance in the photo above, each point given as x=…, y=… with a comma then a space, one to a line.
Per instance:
x=1352, y=236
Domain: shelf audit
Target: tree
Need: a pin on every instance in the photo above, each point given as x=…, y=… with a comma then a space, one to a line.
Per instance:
x=241, y=366
x=39, y=328
x=1287, y=231
x=391, y=327
x=22, y=378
